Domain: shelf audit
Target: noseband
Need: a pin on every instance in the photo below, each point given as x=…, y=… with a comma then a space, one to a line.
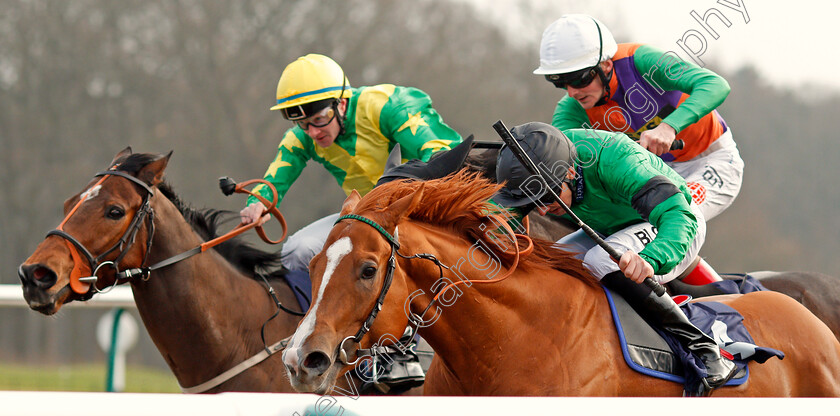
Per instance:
x=83, y=276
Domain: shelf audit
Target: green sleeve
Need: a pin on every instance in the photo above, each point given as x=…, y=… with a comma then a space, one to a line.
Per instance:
x=410, y=120
x=624, y=169
x=707, y=90
x=292, y=155
x=569, y=115
x=676, y=227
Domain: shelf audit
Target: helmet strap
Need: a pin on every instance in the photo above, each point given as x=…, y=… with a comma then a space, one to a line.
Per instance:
x=605, y=78
x=339, y=117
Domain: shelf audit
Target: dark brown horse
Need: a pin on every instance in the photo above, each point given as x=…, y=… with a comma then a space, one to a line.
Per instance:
x=545, y=329
x=203, y=313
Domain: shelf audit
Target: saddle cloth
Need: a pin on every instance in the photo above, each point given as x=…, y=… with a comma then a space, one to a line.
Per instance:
x=298, y=281
x=656, y=353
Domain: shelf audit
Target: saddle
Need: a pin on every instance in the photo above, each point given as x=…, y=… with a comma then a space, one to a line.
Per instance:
x=653, y=352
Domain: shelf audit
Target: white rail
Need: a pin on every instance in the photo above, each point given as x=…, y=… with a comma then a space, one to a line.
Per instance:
x=118, y=297
x=262, y=404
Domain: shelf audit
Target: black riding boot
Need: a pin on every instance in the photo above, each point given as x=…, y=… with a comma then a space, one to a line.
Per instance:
x=663, y=312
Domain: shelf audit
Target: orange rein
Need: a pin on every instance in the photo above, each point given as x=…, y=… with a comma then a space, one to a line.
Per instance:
x=82, y=270
x=271, y=208
x=517, y=253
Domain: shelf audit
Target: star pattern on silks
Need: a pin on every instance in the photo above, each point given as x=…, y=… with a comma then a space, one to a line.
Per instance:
x=414, y=121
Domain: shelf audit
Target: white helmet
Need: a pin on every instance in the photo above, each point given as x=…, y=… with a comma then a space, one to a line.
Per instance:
x=574, y=42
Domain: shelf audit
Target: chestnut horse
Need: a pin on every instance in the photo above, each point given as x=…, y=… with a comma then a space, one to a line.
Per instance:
x=204, y=313
x=544, y=329
x=820, y=293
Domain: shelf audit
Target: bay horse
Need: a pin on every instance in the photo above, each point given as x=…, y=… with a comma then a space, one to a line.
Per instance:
x=544, y=329
x=204, y=313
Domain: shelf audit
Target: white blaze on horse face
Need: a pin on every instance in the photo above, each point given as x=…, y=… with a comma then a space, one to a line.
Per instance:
x=90, y=193
x=335, y=253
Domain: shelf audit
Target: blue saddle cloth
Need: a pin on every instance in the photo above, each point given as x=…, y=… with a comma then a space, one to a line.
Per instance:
x=647, y=355
x=301, y=286
x=736, y=283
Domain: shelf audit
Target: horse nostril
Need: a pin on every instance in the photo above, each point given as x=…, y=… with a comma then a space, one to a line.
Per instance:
x=316, y=363
x=38, y=275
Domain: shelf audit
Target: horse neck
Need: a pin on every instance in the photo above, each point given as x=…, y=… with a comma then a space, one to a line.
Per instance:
x=488, y=314
x=193, y=308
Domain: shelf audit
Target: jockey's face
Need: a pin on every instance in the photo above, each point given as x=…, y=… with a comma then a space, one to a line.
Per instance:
x=589, y=95
x=325, y=136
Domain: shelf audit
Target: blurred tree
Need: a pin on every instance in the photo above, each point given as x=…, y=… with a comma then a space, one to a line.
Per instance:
x=81, y=79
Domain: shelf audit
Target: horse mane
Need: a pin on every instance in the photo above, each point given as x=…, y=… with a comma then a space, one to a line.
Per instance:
x=460, y=202
x=206, y=223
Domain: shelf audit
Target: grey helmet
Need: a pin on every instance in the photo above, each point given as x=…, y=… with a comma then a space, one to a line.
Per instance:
x=550, y=150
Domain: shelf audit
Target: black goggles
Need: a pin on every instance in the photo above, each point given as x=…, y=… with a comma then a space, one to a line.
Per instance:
x=547, y=199
x=319, y=119
x=577, y=79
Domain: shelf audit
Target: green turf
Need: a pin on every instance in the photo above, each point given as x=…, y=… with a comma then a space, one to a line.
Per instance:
x=83, y=377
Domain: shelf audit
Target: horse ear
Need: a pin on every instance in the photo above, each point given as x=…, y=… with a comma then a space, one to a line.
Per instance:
x=123, y=153
x=152, y=173
x=404, y=206
x=350, y=202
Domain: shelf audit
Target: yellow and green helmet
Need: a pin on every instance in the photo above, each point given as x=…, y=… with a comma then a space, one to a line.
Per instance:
x=309, y=84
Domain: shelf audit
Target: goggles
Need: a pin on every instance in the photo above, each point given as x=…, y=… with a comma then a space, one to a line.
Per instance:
x=319, y=119
x=547, y=199
x=578, y=79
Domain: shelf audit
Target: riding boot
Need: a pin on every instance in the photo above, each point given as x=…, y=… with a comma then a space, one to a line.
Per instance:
x=664, y=313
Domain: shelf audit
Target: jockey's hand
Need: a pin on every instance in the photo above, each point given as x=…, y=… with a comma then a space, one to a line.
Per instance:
x=658, y=140
x=253, y=213
x=634, y=266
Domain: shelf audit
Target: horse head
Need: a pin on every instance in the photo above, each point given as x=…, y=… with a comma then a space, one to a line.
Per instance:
x=107, y=228
x=353, y=279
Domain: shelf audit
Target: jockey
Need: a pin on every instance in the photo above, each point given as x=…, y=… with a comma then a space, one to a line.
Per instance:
x=350, y=131
x=652, y=96
x=642, y=207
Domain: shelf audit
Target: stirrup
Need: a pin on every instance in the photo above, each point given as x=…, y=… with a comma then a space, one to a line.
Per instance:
x=706, y=388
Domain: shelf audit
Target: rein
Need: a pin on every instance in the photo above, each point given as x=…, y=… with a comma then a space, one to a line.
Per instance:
x=239, y=229
x=86, y=287
x=414, y=319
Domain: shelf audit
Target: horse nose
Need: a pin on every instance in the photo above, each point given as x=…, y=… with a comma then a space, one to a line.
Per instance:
x=37, y=274
x=316, y=363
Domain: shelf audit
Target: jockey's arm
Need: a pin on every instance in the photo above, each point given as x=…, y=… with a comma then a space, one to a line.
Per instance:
x=706, y=89
x=289, y=162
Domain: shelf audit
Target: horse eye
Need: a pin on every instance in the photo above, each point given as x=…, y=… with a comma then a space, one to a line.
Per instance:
x=115, y=213
x=368, y=272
